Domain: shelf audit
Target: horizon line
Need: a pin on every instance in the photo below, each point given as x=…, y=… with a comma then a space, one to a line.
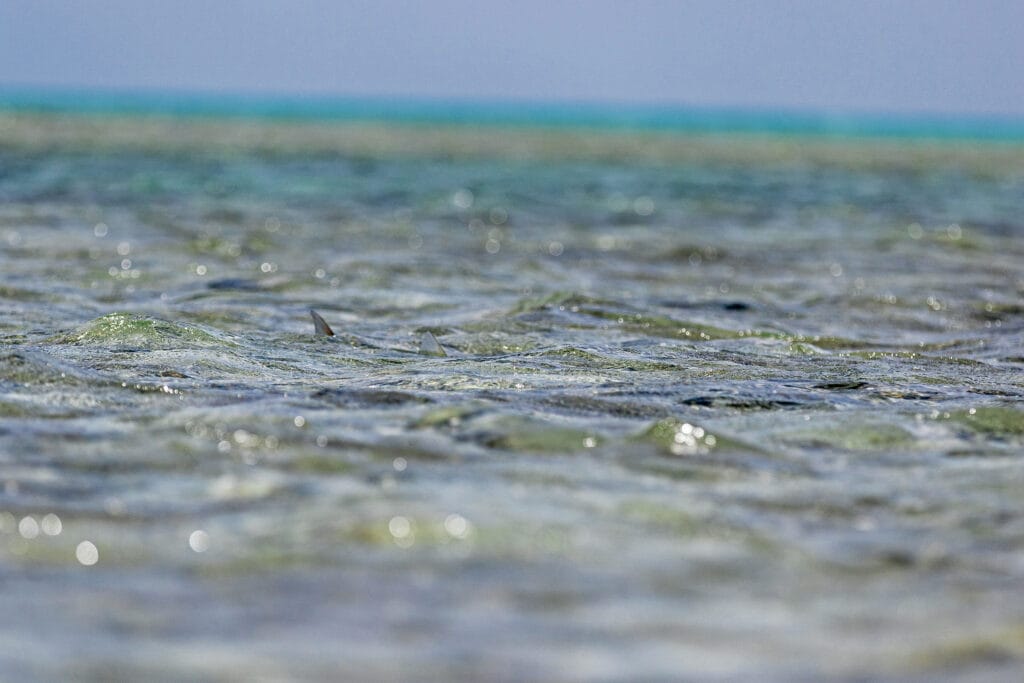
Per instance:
x=585, y=113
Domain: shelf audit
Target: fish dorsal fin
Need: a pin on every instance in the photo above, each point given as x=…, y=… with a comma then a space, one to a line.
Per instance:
x=320, y=325
x=429, y=345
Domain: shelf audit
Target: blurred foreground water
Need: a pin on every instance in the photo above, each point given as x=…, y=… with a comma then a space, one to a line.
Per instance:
x=711, y=407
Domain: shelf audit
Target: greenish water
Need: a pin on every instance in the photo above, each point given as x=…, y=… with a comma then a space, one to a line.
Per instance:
x=736, y=410
x=569, y=115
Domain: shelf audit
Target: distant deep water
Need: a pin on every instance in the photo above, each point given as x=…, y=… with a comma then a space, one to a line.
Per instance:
x=714, y=405
x=593, y=116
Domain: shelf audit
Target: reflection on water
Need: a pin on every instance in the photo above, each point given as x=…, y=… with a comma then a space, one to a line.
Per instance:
x=742, y=407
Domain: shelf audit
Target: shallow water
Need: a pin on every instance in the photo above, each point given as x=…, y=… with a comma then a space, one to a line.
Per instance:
x=753, y=416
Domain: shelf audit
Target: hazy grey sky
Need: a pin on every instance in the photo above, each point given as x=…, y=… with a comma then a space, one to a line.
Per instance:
x=944, y=56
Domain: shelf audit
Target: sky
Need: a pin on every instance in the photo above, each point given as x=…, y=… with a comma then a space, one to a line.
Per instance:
x=871, y=56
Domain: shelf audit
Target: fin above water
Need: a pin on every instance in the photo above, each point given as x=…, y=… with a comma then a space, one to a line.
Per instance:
x=429, y=345
x=320, y=325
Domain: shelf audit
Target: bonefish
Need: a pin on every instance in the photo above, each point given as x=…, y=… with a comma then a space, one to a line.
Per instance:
x=429, y=346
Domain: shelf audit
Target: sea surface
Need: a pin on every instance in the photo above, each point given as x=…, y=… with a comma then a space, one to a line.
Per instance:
x=707, y=405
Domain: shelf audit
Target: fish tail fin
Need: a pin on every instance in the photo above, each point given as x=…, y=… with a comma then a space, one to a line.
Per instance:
x=320, y=325
x=429, y=345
